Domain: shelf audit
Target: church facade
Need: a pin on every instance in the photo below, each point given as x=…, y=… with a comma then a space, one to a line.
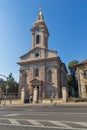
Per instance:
x=42, y=73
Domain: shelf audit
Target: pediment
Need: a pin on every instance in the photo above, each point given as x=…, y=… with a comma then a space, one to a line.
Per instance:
x=31, y=51
x=37, y=53
x=37, y=49
x=35, y=81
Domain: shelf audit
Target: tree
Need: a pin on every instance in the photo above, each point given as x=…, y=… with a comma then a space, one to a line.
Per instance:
x=10, y=78
x=71, y=66
x=69, y=82
x=2, y=83
x=11, y=84
x=72, y=82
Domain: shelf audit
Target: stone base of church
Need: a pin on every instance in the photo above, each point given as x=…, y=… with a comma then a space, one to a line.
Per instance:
x=49, y=101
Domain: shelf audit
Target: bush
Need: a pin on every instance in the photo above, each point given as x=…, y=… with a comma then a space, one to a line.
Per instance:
x=73, y=99
x=81, y=100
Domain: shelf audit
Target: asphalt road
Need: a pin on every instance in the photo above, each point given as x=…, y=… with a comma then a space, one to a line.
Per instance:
x=43, y=117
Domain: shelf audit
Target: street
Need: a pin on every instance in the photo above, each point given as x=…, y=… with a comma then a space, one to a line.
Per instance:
x=43, y=117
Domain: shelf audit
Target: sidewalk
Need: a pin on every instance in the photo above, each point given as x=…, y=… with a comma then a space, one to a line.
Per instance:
x=51, y=104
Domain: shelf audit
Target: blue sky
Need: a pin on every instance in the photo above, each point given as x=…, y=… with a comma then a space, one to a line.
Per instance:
x=66, y=21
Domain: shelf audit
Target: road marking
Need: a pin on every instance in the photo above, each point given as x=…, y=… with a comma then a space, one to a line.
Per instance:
x=36, y=123
x=14, y=122
x=46, y=127
x=60, y=124
x=37, y=114
x=39, y=124
x=81, y=123
x=28, y=114
x=12, y=115
x=74, y=113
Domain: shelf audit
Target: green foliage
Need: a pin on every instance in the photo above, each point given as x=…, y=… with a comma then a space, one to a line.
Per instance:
x=13, y=87
x=69, y=80
x=71, y=66
x=3, y=87
x=11, y=84
x=72, y=82
x=73, y=99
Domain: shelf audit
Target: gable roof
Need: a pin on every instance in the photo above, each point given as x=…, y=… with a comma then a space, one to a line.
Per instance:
x=84, y=62
x=35, y=49
x=81, y=63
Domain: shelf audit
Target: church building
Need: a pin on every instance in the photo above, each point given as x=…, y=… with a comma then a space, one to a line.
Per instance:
x=42, y=73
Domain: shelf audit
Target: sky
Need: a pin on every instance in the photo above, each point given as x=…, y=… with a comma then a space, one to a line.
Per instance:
x=67, y=25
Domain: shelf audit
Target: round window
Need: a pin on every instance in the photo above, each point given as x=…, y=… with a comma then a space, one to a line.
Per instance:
x=37, y=55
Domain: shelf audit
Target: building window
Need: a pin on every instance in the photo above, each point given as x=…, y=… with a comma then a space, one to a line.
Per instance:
x=37, y=55
x=86, y=88
x=37, y=72
x=24, y=78
x=86, y=73
x=37, y=39
x=50, y=76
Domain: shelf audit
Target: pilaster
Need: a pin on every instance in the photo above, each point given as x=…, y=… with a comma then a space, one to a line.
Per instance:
x=33, y=40
x=56, y=79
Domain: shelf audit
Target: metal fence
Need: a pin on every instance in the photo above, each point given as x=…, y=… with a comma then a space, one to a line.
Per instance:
x=9, y=96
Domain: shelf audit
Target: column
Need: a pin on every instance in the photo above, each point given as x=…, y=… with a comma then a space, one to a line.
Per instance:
x=64, y=94
x=22, y=95
x=33, y=40
x=39, y=93
x=35, y=94
x=31, y=89
x=20, y=84
x=56, y=80
x=43, y=39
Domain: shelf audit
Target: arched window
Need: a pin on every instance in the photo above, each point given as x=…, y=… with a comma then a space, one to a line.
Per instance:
x=37, y=39
x=37, y=72
x=50, y=76
x=86, y=88
x=37, y=55
x=24, y=78
x=86, y=73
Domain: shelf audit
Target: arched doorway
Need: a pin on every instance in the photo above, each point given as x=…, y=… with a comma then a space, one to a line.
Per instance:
x=36, y=90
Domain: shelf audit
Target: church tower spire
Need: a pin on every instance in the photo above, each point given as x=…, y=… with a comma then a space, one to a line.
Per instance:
x=40, y=15
x=40, y=32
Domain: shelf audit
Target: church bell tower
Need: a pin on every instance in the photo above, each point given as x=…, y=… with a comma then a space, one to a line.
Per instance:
x=40, y=32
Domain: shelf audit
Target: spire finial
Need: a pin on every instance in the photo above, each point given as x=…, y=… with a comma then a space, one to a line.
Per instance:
x=40, y=15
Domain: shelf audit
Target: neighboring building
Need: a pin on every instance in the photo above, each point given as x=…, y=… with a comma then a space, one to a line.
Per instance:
x=42, y=72
x=81, y=69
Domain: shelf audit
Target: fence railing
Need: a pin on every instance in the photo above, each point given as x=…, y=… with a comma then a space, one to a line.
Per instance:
x=9, y=96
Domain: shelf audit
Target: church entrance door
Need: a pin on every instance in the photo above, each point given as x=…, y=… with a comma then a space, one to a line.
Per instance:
x=36, y=90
